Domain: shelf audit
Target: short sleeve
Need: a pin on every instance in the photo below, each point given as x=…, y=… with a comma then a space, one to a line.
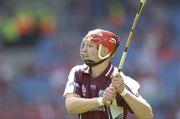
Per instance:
x=132, y=85
x=73, y=84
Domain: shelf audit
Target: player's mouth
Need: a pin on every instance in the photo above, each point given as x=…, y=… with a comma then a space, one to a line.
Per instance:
x=84, y=55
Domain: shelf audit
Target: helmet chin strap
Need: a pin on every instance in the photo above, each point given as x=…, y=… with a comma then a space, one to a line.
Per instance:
x=92, y=63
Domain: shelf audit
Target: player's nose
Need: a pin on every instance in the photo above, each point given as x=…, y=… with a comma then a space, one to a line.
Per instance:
x=84, y=49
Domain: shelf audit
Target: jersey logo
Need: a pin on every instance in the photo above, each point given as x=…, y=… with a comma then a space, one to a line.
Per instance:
x=83, y=90
x=101, y=93
x=93, y=87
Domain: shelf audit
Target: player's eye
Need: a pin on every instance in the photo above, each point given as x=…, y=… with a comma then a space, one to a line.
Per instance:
x=90, y=45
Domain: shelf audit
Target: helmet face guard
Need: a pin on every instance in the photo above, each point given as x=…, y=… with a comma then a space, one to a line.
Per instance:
x=102, y=39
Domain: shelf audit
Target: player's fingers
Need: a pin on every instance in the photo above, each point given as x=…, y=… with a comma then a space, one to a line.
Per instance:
x=117, y=82
x=116, y=75
x=111, y=90
x=108, y=96
x=117, y=78
x=110, y=93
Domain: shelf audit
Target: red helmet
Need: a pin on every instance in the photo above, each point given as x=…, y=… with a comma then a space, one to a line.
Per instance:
x=106, y=39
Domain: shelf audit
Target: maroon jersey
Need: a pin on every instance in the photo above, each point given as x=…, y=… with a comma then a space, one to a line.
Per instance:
x=81, y=82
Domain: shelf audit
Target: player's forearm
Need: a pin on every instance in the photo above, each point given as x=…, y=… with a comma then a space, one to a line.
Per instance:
x=78, y=105
x=139, y=106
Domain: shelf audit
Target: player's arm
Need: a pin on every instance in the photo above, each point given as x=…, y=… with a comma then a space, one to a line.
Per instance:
x=137, y=104
x=75, y=104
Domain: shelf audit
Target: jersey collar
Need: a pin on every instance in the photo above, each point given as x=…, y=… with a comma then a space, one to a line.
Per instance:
x=107, y=72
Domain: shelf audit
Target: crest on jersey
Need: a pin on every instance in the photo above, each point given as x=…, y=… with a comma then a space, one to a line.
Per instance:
x=101, y=93
x=83, y=90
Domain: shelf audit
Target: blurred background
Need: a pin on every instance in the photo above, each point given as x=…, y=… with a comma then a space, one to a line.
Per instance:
x=40, y=40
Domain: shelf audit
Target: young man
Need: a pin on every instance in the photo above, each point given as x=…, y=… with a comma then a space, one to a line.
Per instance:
x=96, y=90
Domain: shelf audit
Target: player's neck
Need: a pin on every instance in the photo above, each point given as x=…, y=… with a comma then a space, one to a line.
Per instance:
x=99, y=69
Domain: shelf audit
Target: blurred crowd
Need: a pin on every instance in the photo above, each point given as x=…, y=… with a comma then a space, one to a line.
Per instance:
x=40, y=40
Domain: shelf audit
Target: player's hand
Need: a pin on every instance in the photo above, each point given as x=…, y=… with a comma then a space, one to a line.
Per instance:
x=117, y=82
x=109, y=95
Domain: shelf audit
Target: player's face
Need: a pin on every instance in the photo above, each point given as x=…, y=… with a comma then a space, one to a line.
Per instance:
x=89, y=50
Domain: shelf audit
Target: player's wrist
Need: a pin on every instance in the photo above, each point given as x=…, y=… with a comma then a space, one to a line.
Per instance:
x=101, y=101
x=124, y=92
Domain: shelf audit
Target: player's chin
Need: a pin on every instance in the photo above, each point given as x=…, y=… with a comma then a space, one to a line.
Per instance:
x=84, y=55
x=85, y=58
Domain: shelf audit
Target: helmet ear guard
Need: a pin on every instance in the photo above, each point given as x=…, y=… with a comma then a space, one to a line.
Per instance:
x=110, y=54
x=100, y=51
